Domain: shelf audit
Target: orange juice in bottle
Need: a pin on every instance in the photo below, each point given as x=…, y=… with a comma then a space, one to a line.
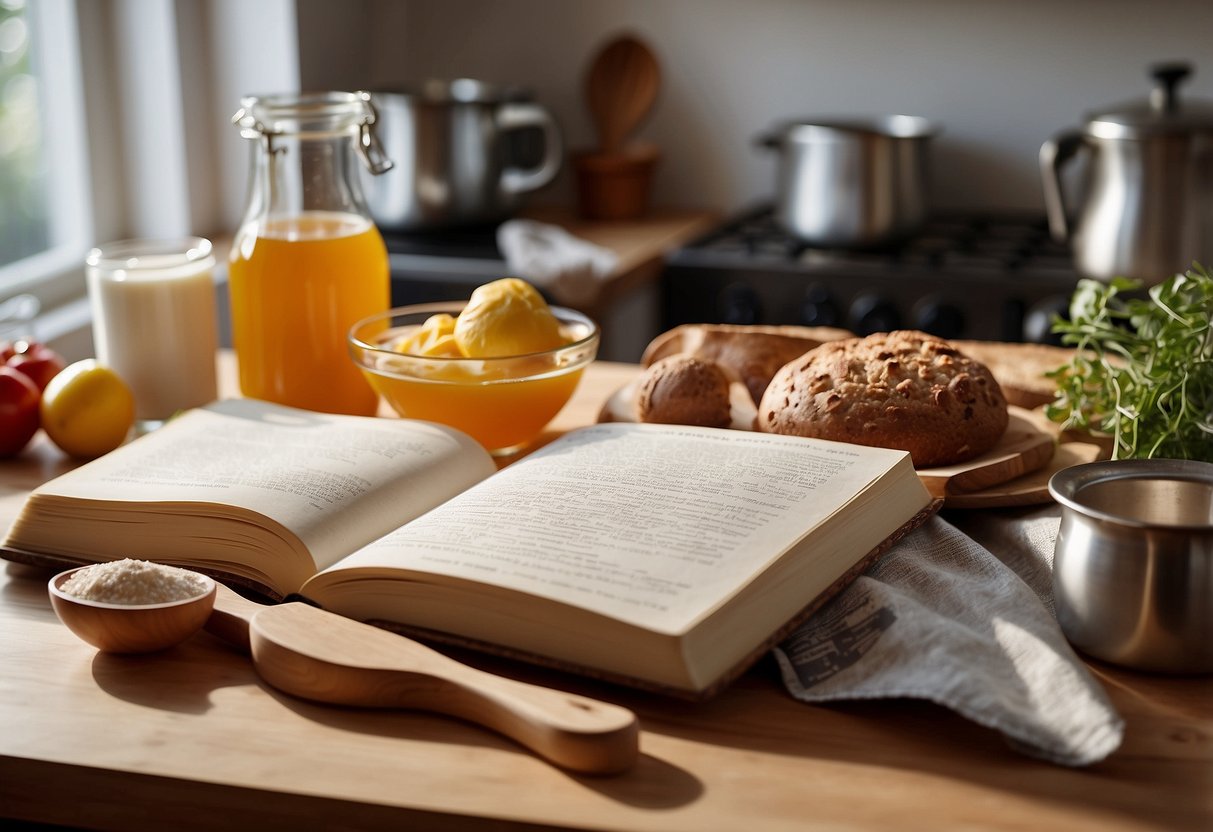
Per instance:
x=297, y=285
x=308, y=261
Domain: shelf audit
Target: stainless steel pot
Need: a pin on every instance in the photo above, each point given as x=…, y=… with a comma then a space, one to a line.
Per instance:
x=1148, y=210
x=1133, y=562
x=852, y=183
x=455, y=153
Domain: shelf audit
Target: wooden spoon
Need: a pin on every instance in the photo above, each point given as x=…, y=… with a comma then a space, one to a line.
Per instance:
x=620, y=90
x=313, y=654
x=307, y=652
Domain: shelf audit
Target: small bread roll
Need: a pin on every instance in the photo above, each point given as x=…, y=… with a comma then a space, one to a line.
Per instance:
x=684, y=390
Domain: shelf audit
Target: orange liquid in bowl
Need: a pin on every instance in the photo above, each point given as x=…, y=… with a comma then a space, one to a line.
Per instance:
x=297, y=286
x=503, y=403
x=501, y=415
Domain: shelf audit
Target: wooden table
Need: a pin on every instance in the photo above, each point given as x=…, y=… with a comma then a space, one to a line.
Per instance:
x=191, y=739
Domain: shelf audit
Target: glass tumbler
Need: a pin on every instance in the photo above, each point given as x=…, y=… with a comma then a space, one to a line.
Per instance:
x=154, y=322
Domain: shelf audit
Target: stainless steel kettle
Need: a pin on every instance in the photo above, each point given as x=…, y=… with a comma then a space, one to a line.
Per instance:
x=1147, y=212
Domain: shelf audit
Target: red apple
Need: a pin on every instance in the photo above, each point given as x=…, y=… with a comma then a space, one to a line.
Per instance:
x=37, y=361
x=19, y=417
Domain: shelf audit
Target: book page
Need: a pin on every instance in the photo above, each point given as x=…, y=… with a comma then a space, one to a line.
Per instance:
x=653, y=525
x=337, y=482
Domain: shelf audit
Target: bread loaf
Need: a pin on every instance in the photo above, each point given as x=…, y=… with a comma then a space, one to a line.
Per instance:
x=1020, y=368
x=903, y=389
x=751, y=353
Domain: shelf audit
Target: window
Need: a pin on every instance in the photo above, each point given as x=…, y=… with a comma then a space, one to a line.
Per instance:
x=23, y=209
x=44, y=194
x=153, y=154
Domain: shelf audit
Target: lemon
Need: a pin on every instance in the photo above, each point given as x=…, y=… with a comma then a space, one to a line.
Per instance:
x=87, y=410
x=506, y=317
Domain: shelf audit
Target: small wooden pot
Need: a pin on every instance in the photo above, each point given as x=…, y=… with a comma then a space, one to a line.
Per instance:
x=615, y=186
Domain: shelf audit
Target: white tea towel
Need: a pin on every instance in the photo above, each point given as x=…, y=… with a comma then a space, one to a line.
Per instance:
x=965, y=624
x=569, y=268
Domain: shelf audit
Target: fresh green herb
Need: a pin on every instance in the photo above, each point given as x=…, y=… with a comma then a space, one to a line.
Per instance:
x=1143, y=369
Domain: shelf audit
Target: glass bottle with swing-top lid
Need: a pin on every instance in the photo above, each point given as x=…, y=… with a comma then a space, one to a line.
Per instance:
x=308, y=261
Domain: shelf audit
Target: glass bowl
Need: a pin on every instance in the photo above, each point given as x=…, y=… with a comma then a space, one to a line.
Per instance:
x=502, y=403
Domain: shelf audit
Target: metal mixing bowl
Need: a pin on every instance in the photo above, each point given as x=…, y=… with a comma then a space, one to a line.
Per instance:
x=1133, y=562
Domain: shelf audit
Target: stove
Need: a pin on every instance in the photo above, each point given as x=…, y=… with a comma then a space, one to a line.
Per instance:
x=978, y=276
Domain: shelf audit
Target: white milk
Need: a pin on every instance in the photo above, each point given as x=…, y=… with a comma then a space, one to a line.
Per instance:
x=154, y=322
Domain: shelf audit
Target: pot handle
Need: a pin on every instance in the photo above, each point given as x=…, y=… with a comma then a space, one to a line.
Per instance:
x=516, y=116
x=1054, y=154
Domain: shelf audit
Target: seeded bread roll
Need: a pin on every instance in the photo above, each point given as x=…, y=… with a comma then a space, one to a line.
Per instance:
x=903, y=389
x=684, y=390
x=751, y=353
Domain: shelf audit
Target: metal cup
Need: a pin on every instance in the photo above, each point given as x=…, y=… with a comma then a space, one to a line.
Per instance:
x=1133, y=562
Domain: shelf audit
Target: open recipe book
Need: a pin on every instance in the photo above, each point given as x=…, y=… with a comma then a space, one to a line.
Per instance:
x=660, y=556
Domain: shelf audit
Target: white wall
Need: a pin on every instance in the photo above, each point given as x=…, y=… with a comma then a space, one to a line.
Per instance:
x=1000, y=76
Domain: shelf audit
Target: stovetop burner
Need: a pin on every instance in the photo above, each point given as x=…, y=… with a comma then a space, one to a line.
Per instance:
x=1006, y=242
x=475, y=242
x=991, y=276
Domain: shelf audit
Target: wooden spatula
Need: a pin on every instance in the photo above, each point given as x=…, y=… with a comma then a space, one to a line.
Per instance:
x=307, y=652
x=621, y=87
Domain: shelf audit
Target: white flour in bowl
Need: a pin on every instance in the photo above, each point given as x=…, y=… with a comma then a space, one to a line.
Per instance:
x=130, y=581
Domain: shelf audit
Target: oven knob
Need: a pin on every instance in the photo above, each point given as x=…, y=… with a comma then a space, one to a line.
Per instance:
x=1038, y=322
x=819, y=307
x=738, y=304
x=872, y=313
x=941, y=319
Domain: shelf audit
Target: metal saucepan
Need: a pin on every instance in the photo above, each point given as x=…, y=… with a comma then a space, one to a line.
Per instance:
x=1133, y=563
x=852, y=183
x=453, y=144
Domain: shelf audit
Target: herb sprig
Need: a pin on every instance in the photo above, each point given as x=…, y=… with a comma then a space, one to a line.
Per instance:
x=1143, y=368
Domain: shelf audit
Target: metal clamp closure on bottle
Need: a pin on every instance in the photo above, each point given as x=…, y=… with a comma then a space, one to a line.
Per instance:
x=368, y=148
x=370, y=151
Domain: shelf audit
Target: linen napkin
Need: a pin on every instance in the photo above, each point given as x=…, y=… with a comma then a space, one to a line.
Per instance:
x=963, y=618
x=569, y=268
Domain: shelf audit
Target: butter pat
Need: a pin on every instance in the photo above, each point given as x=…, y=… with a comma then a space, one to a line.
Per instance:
x=435, y=338
x=506, y=317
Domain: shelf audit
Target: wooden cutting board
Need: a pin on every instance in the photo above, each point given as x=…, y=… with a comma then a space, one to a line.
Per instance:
x=1024, y=446
x=1032, y=488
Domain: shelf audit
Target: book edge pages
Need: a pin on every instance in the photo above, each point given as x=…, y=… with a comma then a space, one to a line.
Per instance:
x=433, y=636
x=59, y=563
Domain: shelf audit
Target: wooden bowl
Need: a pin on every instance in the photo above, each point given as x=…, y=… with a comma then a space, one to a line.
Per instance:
x=130, y=628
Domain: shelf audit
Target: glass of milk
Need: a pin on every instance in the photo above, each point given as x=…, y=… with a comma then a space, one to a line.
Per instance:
x=154, y=322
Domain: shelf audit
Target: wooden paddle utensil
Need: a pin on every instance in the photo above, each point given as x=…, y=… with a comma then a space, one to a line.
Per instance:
x=317, y=655
x=620, y=90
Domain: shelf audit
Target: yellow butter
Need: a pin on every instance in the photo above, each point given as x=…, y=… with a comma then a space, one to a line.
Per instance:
x=504, y=318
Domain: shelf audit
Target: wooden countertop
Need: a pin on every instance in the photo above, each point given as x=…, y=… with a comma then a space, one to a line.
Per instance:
x=640, y=244
x=190, y=739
